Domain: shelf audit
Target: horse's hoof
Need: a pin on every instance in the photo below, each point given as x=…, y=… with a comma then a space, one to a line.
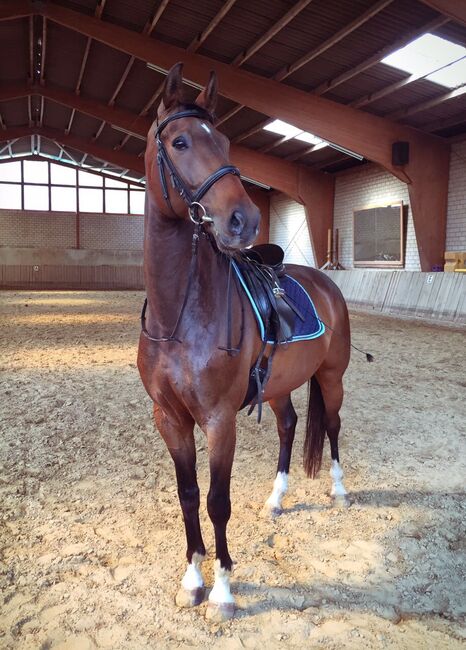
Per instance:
x=219, y=612
x=341, y=501
x=190, y=597
x=270, y=512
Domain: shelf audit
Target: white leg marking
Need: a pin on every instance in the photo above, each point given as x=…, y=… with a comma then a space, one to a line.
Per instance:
x=192, y=579
x=338, y=489
x=280, y=486
x=221, y=593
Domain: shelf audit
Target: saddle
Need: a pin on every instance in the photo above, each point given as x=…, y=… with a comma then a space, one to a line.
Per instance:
x=261, y=268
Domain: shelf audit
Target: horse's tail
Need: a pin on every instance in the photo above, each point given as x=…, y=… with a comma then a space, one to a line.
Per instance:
x=315, y=429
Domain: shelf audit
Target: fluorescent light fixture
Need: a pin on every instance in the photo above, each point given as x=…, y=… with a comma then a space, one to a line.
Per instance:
x=292, y=132
x=348, y=152
x=433, y=58
x=126, y=132
x=258, y=183
x=163, y=71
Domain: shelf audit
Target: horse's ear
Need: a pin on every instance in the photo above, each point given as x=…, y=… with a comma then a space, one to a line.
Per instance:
x=173, y=89
x=208, y=97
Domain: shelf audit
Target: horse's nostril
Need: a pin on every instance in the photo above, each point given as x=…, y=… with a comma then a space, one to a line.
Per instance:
x=236, y=223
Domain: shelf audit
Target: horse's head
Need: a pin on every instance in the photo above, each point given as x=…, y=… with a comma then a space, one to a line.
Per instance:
x=184, y=151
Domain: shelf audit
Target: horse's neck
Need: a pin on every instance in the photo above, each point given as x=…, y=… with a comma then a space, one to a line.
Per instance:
x=167, y=261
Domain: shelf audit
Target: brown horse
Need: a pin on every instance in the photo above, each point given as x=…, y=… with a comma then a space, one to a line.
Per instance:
x=182, y=359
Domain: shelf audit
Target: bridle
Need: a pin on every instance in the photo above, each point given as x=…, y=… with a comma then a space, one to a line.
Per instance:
x=164, y=162
x=193, y=201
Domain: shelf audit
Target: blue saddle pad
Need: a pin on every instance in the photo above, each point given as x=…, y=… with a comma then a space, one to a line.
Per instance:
x=304, y=330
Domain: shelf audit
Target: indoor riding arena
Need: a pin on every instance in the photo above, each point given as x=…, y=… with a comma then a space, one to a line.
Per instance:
x=347, y=124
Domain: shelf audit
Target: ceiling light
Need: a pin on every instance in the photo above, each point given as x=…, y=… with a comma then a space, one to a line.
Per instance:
x=282, y=128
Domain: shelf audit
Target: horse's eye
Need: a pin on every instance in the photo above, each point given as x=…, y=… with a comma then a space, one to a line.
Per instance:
x=179, y=143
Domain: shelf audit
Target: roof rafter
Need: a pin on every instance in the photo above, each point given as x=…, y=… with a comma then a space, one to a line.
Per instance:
x=147, y=31
x=200, y=38
x=387, y=90
x=456, y=10
x=368, y=134
x=270, y=33
x=365, y=65
x=282, y=175
x=192, y=47
x=98, y=14
x=379, y=55
x=445, y=122
x=42, y=50
x=429, y=103
x=31, y=48
x=118, y=158
x=265, y=38
x=288, y=70
x=12, y=9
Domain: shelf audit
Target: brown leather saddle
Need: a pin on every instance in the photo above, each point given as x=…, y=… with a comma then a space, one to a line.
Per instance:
x=261, y=268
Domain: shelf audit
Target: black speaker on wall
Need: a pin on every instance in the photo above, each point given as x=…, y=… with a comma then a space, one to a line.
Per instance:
x=400, y=153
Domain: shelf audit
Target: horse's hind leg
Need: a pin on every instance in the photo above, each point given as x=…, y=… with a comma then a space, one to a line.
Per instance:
x=179, y=439
x=331, y=385
x=286, y=423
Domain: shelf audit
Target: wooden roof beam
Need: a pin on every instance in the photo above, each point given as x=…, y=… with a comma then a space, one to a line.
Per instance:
x=379, y=55
x=200, y=38
x=270, y=33
x=454, y=9
x=42, y=51
x=288, y=70
x=387, y=90
x=445, y=122
x=134, y=125
x=147, y=31
x=118, y=158
x=429, y=103
x=12, y=9
x=98, y=14
x=31, y=48
x=367, y=134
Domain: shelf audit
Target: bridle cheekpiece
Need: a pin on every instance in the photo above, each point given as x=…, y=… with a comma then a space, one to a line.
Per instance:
x=164, y=162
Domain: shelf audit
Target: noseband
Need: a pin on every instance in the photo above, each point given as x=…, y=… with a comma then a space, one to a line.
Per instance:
x=197, y=212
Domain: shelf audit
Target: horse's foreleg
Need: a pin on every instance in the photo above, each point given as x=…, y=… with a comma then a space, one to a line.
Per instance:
x=221, y=441
x=286, y=423
x=180, y=442
x=332, y=392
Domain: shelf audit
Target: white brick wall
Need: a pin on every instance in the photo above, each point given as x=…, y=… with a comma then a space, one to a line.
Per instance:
x=456, y=222
x=35, y=229
x=288, y=229
x=112, y=232
x=366, y=186
x=32, y=229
